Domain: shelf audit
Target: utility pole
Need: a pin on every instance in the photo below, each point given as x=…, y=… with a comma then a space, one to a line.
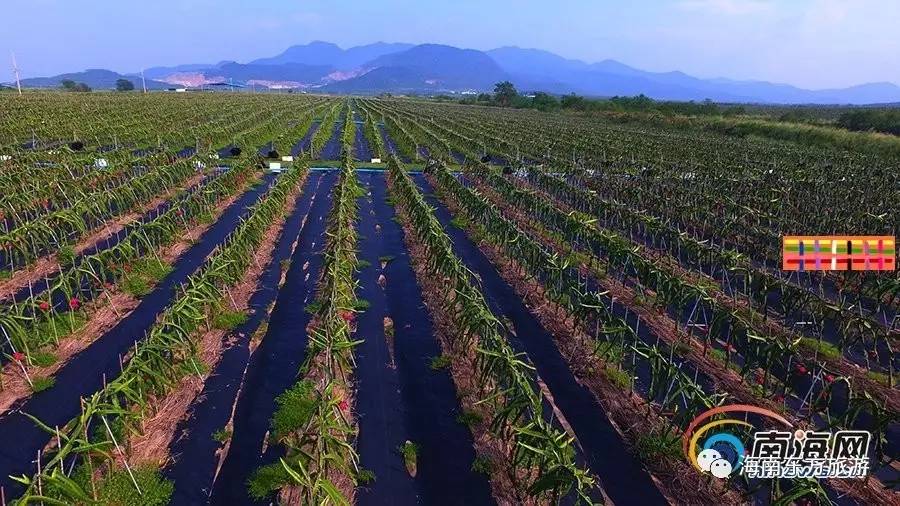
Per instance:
x=16, y=72
x=143, y=81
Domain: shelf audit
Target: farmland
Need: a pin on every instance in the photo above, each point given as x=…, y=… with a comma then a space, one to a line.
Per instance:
x=511, y=307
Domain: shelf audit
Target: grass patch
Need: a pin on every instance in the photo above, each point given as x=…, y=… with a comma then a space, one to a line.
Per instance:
x=365, y=476
x=295, y=407
x=362, y=264
x=229, y=320
x=653, y=446
x=136, y=286
x=42, y=358
x=469, y=418
x=314, y=307
x=222, y=435
x=266, y=480
x=881, y=377
x=440, y=362
x=482, y=464
x=116, y=487
x=145, y=274
x=39, y=384
x=825, y=349
x=285, y=264
x=193, y=366
x=611, y=352
x=260, y=331
x=360, y=305
x=410, y=452
x=4, y=274
x=460, y=222
x=59, y=325
x=386, y=259
x=152, y=268
x=618, y=376
x=718, y=355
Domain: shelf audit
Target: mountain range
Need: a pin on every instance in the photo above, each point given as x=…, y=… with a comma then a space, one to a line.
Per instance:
x=433, y=68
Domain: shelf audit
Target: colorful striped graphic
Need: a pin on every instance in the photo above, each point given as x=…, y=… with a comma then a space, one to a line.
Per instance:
x=838, y=253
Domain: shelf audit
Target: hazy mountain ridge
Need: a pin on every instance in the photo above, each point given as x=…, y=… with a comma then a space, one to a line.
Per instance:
x=434, y=68
x=327, y=54
x=428, y=67
x=95, y=78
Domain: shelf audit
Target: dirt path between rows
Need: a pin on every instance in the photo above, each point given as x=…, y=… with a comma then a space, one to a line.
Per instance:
x=152, y=446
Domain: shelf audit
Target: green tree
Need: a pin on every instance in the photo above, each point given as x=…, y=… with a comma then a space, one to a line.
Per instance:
x=572, y=101
x=70, y=85
x=124, y=85
x=505, y=93
x=544, y=101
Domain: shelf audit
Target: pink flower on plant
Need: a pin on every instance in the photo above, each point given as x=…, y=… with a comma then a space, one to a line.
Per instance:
x=74, y=303
x=18, y=356
x=344, y=405
x=44, y=305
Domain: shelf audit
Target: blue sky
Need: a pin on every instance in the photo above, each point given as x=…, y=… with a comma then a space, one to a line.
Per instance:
x=809, y=43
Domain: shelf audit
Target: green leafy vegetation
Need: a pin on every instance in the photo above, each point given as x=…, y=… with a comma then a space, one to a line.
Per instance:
x=144, y=274
x=295, y=407
x=230, y=320
x=653, y=446
x=440, y=362
x=410, y=452
x=39, y=384
x=222, y=435
x=42, y=358
x=66, y=255
x=266, y=480
x=365, y=476
x=469, y=418
x=823, y=347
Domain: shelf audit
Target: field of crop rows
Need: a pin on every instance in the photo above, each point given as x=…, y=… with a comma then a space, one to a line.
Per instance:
x=512, y=307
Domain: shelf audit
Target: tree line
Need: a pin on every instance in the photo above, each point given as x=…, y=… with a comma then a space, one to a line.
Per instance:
x=864, y=120
x=506, y=95
x=70, y=85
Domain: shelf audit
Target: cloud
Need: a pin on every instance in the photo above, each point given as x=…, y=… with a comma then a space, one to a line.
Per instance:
x=728, y=7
